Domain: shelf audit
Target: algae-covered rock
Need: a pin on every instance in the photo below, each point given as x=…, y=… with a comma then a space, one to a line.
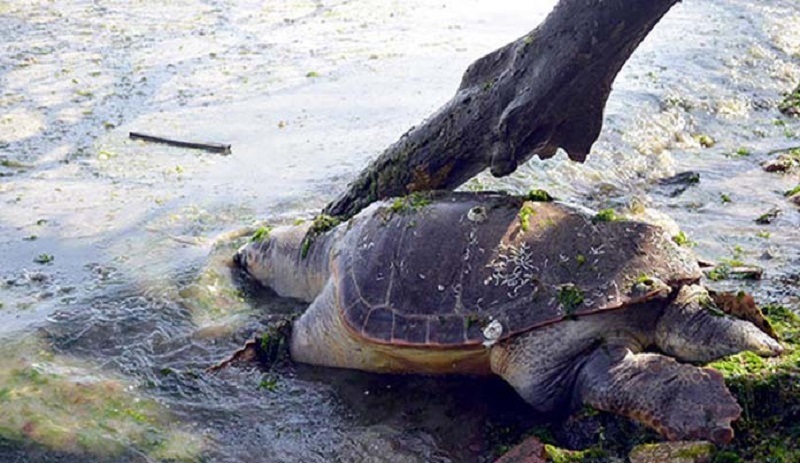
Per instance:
x=783, y=163
x=673, y=452
x=791, y=103
x=67, y=406
x=768, y=391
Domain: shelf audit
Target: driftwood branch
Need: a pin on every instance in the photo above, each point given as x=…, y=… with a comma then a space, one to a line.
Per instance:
x=213, y=147
x=547, y=90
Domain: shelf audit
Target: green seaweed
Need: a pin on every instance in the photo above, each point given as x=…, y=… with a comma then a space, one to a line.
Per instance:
x=725, y=269
x=705, y=141
x=606, y=215
x=791, y=103
x=411, y=203
x=719, y=273
x=44, y=258
x=398, y=205
x=273, y=345
x=570, y=297
x=321, y=224
x=645, y=279
x=56, y=402
x=525, y=214
x=560, y=455
x=269, y=383
x=726, y=456
x=262, y=234
x=682, y=240
x=305, y=247
x=787, y=325
x=539, y=195
x=768, y=390
x=768, y=217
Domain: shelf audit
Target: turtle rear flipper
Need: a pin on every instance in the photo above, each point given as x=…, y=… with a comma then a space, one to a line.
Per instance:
x=681, y=402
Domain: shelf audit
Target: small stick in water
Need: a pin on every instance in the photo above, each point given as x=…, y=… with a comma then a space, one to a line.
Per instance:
x=213, y=147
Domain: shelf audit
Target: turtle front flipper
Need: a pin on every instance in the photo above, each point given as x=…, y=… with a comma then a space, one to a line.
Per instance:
x=679, y=401
x=693, y=329
x=269, y=349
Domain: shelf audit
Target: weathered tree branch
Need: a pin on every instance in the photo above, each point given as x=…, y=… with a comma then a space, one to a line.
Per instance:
x=547, y=90
x=222, y=148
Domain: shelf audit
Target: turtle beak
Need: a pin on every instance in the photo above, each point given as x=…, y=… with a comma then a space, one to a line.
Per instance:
x=253, y=259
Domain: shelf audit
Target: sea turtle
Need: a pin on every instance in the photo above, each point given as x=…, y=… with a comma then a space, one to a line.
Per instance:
x=568, y=307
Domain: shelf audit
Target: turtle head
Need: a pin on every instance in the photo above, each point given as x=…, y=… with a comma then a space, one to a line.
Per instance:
x=255, y=257
x=281, y=259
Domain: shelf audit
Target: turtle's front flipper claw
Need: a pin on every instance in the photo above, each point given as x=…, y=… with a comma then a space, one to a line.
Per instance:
x=268, y=349
x=679, y=401
x=246, y=353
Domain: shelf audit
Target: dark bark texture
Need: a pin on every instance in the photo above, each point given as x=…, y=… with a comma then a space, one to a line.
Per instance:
x=544, y=91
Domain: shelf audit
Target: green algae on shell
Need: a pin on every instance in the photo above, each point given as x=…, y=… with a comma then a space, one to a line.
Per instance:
x=606, y=215
x=525, y=215
x=412, y=202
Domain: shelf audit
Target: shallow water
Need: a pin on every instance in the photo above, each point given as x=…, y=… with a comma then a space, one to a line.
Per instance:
x=132, y=308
